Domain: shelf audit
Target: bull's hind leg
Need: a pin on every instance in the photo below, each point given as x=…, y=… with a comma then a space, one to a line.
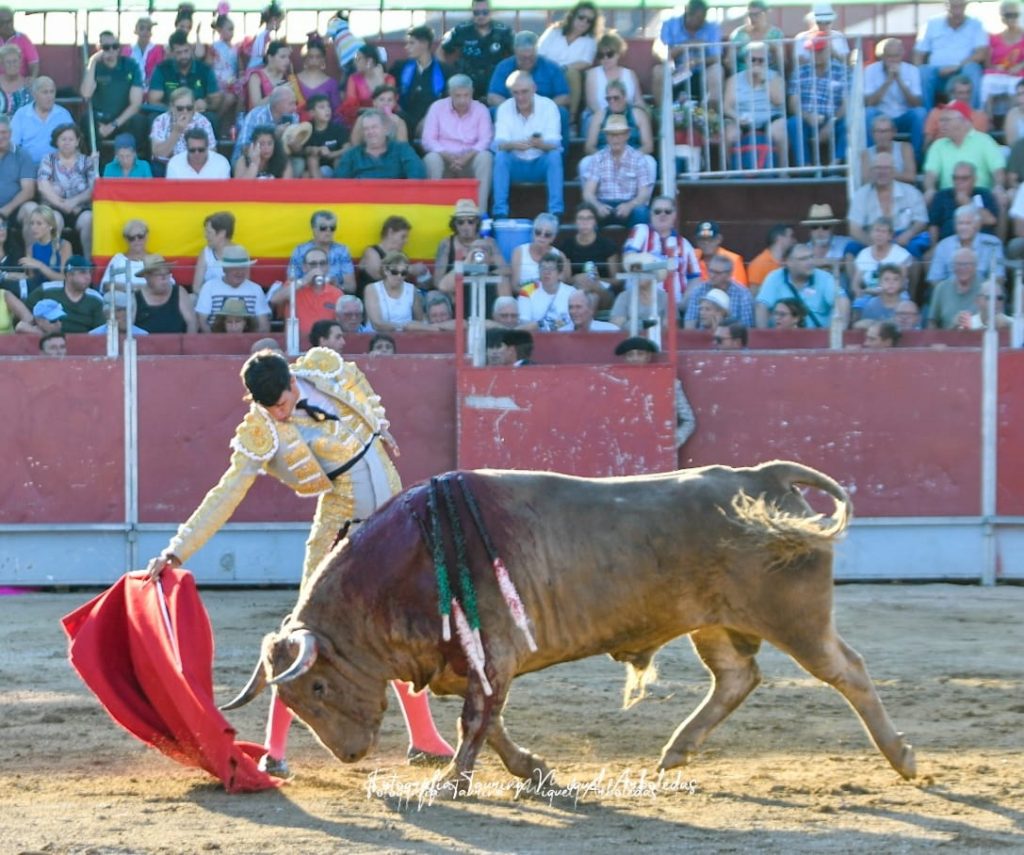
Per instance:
x=834, y=662
x=517, y=759
x=729, y=656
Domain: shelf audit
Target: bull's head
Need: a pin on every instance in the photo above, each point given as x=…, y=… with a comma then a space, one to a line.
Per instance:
x=342, y=702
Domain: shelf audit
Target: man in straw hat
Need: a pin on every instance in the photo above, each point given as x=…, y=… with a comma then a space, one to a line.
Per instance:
x=161, y=306
x=317, y=427
x=235, y=282
x=619, y=180
x=827, y=248
x=457, y=134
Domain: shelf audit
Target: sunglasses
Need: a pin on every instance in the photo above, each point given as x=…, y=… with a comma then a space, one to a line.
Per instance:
x=322, y=263
x=184, y=108
x=323, y=227
x=114, y=46
x=481, y=13
x=607, y=54
x=757, y=60
x=136, y=237
x=196, y=150
x=718, y=272
x=465, y=221
x=398, y=271
x=586, y=19
x=1011, y=15
x=542, y=233
x=662, y=212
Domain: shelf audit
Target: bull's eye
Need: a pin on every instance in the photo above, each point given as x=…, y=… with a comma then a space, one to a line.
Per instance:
x=319, y=689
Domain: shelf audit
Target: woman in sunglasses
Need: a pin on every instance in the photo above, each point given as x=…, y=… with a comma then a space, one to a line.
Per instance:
x=526, y=257
x=392, y=304
x=572, y=44
x=125, y=266
x=610, y=49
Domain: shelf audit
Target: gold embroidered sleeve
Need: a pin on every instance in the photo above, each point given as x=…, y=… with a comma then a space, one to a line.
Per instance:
x=361, y=390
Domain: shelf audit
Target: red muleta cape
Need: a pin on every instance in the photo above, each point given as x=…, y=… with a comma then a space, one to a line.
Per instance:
x=153, y=672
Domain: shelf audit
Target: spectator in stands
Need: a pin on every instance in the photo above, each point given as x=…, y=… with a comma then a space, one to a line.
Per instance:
x=17, y=176
x=881, y=334
x=183, y=70
x=779, y=238
x=1013, y=124
x=15, y=89
x=224, y=58
x=959, y=90
x=753, y=107
x=820, y=20
x=505, y=312
x=46, y=318
x=65, y=181
x=610, y=49
x=161, y=306
x=281, y=113
x=313, y=79
x=11, y=249
x=521, y=344
x=113, y=84
x=420, y=78
x=393, y=304
x=904, y=165
x=978, y=320
x=117, y=303
x=379, y=157
x=640, y=134
x=882, y=306
x=8, y=36
x=827, y=248
x=54, y=344
x=327, y=142
x=167, y=134
x=464, y=239
x=271, y=19
x=892, y=88
x=363, y=82
x=572, y=45
x=275, y=71
x=757, y=28
x=544, y=305
x=526, y=257
x=712, y=309
x=234, y=283
x=350, y=315
x=316, y=291
x=950, y=44
x=908, y=316
x=32, y=126
x=498, y=353
x=46, y=252
x=817, y=105
x=233, y=317
x=660, y=239
x=942, y=211
x=218, y=230
x=327, y=333
x=816, y=288
x=264, y=156
x=438, y=313
x=126, y=162
x=548, y=78
x=146, y=53
x=528, y=140
x=582, y=307
x=83, y=307
x=789, y=313
x=957, y=293
x=324, y=225
x=385, y=101
x=13, y=313
x=708, y=242
x=721, y=278
x=478, y=45
x=594, y=259
x=879, y=253
x=731, y=335
x=1004, y=64
x=394, y=235
x=618, y=180
x=457, y=135
x=652, y=301
x=382, y=345
x=902, y=203
x=987, y=249
x=691, y=43
x=198, y=161
x=124, y=267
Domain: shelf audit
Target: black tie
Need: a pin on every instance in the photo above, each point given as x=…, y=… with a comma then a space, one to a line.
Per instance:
x=315, y=412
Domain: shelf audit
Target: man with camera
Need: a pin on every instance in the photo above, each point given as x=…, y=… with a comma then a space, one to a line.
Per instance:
x=316, y=292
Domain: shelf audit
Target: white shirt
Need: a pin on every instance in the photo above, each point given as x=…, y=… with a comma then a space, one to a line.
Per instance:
x=550, y=311
x=554, y=46
x=947, y=46
x=213, y=295
x=893, y=103
x=216, y=166
x=512, y=126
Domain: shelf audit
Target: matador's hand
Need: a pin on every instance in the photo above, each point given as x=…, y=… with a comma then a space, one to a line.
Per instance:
x=156, y=565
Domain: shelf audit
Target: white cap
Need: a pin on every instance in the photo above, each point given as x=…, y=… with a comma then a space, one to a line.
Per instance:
x=718, y=297
x=823, y=12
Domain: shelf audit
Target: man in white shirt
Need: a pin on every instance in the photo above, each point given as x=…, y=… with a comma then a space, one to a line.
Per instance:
x=197, y=161
x=528, y=142
x=951, y=44
x=892, y=88
x=236, y=283
x=581, y=312
x=457, y=134
x=544, y=305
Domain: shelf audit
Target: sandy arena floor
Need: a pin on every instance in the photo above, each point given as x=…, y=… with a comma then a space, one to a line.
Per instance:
x=791, y=771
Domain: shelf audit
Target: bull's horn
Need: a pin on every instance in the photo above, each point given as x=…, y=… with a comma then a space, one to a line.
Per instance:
x=257, y=683
x=303, y=661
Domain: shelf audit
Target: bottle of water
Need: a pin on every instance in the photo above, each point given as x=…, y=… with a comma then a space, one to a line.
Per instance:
x=590, y=269
x=486, y=227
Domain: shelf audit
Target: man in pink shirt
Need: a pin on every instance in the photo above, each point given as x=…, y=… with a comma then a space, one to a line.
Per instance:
x=8, y=36
x=457, y=134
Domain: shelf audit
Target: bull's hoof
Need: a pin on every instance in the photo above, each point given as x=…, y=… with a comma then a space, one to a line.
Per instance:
x=673, y=757
x=455, y=781
x=417, y=757
x=907, y=763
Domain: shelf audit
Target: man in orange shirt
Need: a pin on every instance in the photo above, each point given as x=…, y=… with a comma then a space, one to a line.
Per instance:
x=709, y=244
x=316, y=292
x=780, y=238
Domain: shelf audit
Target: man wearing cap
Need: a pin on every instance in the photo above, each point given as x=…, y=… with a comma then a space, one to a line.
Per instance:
x=161, y=305
x=44, y=320
x=481, y=43
x=582, y=306
x=950, y=44
x=33, y=125
x=821, y=18
x=959, y=88
x=113, y=84
x=721, y=279
x=827, y=248
x=457, y=135
x=82, y=306
x=528, y=141
x=692, y=43
x=892, y=88
x=619, y=180
x=708, y=240
x=339, y=260
x=817, y=105
x=641, y=351
x=146, y=53
x=962, y=143
x=816, y=289
x=119, y=299
x=198, y=161
x=318, y=428
x=235, y=282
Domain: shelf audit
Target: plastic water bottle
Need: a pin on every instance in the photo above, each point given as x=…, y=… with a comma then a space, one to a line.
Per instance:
x=590, y=269
x=486, y=227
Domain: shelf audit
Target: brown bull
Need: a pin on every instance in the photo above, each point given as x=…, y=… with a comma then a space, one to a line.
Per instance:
x=616, y=565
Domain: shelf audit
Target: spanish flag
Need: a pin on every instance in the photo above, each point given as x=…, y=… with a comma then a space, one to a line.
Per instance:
x=271, y=217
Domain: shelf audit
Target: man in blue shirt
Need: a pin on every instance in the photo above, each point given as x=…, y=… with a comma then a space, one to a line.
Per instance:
x=691, y=42
x=799, y=280
x=379, y=157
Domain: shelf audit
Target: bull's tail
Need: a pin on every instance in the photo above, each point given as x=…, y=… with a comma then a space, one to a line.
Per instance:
x=784, y=534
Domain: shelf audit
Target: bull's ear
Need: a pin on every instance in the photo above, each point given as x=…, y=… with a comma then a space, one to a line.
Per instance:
x=257, y=683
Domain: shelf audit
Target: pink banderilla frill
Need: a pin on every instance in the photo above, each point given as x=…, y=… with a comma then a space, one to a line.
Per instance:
x=515, y=605
x=472, y=646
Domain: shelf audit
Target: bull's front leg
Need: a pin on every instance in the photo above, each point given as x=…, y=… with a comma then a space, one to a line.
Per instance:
x=517, y=759
x=478, y=711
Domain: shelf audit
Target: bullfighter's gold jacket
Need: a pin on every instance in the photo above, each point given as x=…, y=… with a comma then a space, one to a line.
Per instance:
x=298, y=452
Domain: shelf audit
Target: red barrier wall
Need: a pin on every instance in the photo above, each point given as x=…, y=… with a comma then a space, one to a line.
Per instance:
x=1010, y=493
